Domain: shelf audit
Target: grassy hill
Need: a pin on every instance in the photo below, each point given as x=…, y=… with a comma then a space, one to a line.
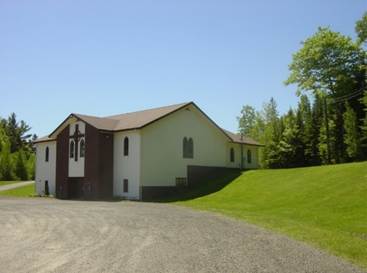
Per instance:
x=325, y=206
x=25, y=191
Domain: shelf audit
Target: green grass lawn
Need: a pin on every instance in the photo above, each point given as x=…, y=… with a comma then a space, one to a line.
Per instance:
x=25, y=191
x=3, y=183
x=324, y=206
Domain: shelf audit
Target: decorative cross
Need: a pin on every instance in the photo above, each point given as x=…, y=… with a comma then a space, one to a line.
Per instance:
x=76, y=137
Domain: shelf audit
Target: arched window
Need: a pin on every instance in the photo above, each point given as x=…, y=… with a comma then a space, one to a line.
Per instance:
x=184, y=148
x=188, y=148
x=47, y=153
x=72, y=148
x=249, y=156
x=82, y=148
x=191, y=148
x=126, y=146
x=231, y=155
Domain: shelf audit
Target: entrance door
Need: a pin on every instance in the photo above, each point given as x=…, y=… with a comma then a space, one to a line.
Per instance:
x=47, y=190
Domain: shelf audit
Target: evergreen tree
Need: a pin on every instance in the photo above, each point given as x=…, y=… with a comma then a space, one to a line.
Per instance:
x=17, y=133
x=304, y=123
x=272, y=133
x=6, y=166
x=333, y=65
x=3, y=137
x=317, y=119
x=290, y=145
x=364, y=121
x=351, y=135
x=31, y=162
x=20, y=166
x=19, y=162
x=327, y=139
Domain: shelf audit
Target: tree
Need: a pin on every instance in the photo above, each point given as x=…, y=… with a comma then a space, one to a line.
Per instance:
x=17, y=133
x=255, y=128
x=31, y=166
x=327, y=141
x=20, y=166
x=304, y=123
x=364, y=121
x=16, y=150
x=258, y=130
x=247, y=120
x=5, y=161
x=351, y=135
x=272, y=133
x=6, y=167
x=317, y=119
x=3, y=137
x=361, y=29
x=290, y=145
x=328, y=62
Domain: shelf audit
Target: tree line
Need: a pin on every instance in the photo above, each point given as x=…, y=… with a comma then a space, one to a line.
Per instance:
x=17, y=157
x=329, y=124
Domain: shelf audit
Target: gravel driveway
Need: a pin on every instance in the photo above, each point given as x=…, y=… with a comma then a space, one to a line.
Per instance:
x=46, y=235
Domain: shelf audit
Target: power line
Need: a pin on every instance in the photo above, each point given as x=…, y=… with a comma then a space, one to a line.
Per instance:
x=336, y=100
x=351, y=94
x=348, y=96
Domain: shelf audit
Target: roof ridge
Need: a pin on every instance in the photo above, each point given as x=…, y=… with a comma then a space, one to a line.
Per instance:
x=149, y=109
x=89, y=116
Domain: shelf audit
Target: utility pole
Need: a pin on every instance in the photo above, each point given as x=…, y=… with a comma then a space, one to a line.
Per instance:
x=327, y=130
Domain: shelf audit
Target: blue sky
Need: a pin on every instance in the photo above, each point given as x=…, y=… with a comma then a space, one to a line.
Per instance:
x=109, y=57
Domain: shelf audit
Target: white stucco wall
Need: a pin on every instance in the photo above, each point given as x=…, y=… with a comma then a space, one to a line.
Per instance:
x=254, y=157
x=45, y=170
x=127, y=167
x=237, y=155
x=162, y=153
x=76, y=168
x=237, y=162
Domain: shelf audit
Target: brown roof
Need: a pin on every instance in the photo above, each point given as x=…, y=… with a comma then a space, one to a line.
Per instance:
x=237, y=138
x=44, y=139
x=140, y=119
x=129, y=121
x=97, y=122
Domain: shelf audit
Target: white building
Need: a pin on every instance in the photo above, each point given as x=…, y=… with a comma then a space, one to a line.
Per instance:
x=137, y=155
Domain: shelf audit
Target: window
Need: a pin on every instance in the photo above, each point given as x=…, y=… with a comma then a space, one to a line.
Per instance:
x=249, y=156
x=181, y=181
x=47, y=153
x=126, y=146
x=184, y=147
x=231, y=155
x=188, y=147
x=82, y=148
x=126, y=185
x=191, y=148
x=72, y=148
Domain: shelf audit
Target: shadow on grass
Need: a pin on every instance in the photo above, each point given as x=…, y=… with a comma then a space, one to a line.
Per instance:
x=206, y=186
